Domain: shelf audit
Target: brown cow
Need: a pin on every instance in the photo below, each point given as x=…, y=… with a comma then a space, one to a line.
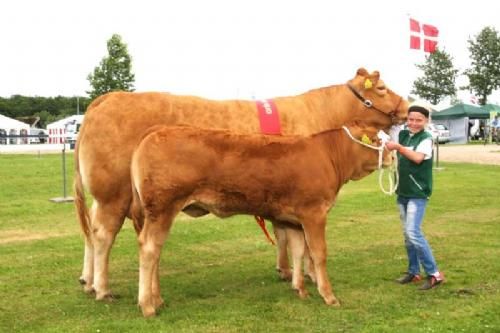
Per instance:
x=293, y=179
x=114, y=124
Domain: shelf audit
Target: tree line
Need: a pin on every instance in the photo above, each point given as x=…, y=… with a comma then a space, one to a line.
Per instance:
x=47, y=109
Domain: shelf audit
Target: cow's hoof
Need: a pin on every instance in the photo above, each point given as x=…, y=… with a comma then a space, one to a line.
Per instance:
x=158, y=302
x=89, y=290
x=311, y=277
x=303, y=294
x=284, y=274
x=82, y=281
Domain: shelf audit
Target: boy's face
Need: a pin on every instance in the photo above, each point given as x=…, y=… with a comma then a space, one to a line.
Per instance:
x=416, y=122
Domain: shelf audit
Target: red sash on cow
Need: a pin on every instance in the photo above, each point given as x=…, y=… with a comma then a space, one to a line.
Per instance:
x=269, y=124
x=268, y=117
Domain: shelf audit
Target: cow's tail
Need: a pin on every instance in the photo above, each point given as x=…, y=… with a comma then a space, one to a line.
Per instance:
x=82, y=210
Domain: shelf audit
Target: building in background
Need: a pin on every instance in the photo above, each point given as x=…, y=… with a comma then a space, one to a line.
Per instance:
x=9, y=126
x=64, y=130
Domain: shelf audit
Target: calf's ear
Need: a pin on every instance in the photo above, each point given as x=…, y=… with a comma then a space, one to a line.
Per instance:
x=362, y=72
x=375, y=76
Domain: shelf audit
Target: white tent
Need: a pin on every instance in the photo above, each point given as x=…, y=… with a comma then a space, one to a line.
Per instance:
x=59, y=130
x=9, y=126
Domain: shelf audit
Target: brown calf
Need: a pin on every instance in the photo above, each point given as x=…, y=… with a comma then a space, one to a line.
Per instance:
x=291, y=179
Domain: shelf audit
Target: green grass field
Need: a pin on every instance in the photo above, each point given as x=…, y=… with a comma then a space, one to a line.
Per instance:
x=218, y=275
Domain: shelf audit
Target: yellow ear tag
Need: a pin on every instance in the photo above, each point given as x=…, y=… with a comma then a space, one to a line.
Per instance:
x=368, y=84
x=366, y=139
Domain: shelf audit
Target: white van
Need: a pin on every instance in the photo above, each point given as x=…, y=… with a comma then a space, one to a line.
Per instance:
x=72, y=130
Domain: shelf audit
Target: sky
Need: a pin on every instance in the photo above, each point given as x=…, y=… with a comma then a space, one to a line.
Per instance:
x=222, y=49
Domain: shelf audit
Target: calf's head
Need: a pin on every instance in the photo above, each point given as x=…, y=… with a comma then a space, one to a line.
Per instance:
x=363, y=159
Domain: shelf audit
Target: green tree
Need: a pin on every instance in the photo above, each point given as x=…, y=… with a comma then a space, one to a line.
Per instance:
x=439, y=77
x=47, y=108
x=484, y=73
x=114, y=71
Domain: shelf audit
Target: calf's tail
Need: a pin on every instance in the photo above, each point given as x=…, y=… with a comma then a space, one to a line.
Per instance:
x=136, y=211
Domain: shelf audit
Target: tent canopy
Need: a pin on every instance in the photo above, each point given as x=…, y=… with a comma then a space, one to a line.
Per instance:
x=461, y=111
x=7, y=123
x=491, y=108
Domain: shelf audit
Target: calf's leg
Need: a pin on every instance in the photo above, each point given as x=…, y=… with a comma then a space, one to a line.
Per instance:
x=151, y=240
x=138, y=219
x=314, y=229
x=155, y=287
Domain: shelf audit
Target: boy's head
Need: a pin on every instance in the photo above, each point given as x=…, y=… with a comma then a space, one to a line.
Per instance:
x=420, y=108
x=418, y=117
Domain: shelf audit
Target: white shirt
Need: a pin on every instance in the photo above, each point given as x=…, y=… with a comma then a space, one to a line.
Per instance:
x=424, y=147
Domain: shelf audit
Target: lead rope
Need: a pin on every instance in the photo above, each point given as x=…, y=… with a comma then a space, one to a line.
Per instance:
x=393, y=175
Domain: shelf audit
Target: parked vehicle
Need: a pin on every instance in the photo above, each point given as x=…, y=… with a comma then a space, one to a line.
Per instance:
x=41, y=135
x=439, y=132
x=3, y=136
x=72, y=130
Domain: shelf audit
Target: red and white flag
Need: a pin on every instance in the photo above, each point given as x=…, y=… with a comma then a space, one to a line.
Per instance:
x=423, y=34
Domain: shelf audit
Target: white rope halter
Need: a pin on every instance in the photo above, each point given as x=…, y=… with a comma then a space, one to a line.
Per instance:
x=393, y=175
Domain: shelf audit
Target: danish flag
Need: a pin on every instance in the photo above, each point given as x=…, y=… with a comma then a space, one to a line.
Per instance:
x=430, y=35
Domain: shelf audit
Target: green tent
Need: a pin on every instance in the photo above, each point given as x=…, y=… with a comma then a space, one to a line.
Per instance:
x=462, y=111
x=491, y=108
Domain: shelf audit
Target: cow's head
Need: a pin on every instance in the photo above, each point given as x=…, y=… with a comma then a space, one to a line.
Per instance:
x=380, y=106
x=363, y=159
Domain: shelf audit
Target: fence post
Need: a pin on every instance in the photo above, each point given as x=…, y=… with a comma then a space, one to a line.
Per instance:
x=64, y=198
x=437, y=155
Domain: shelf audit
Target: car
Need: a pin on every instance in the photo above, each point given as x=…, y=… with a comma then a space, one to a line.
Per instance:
x=38, y=135
x=440, y=133
x=3, y=136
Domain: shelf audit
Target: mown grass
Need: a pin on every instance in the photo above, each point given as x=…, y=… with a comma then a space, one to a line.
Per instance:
x=218, y=275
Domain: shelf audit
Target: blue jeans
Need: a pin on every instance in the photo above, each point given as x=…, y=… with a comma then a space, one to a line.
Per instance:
x=411, y=213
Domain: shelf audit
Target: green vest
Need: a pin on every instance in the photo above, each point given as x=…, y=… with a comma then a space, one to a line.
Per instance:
x=415, y=180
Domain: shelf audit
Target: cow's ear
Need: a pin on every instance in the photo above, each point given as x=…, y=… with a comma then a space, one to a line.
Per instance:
x=362, y=72
x=371, y=80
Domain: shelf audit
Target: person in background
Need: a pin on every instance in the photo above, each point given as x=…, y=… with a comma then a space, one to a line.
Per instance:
x=495, y=122
x=495, y=126
x=414, y=149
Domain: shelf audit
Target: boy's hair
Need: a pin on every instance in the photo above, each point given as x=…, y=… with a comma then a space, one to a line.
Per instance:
x=420, y=109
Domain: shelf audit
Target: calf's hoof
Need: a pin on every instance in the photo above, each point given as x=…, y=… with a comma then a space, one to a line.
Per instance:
x=148, y=311
x=106, y=297
x=332, y=301
x=82, y=281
